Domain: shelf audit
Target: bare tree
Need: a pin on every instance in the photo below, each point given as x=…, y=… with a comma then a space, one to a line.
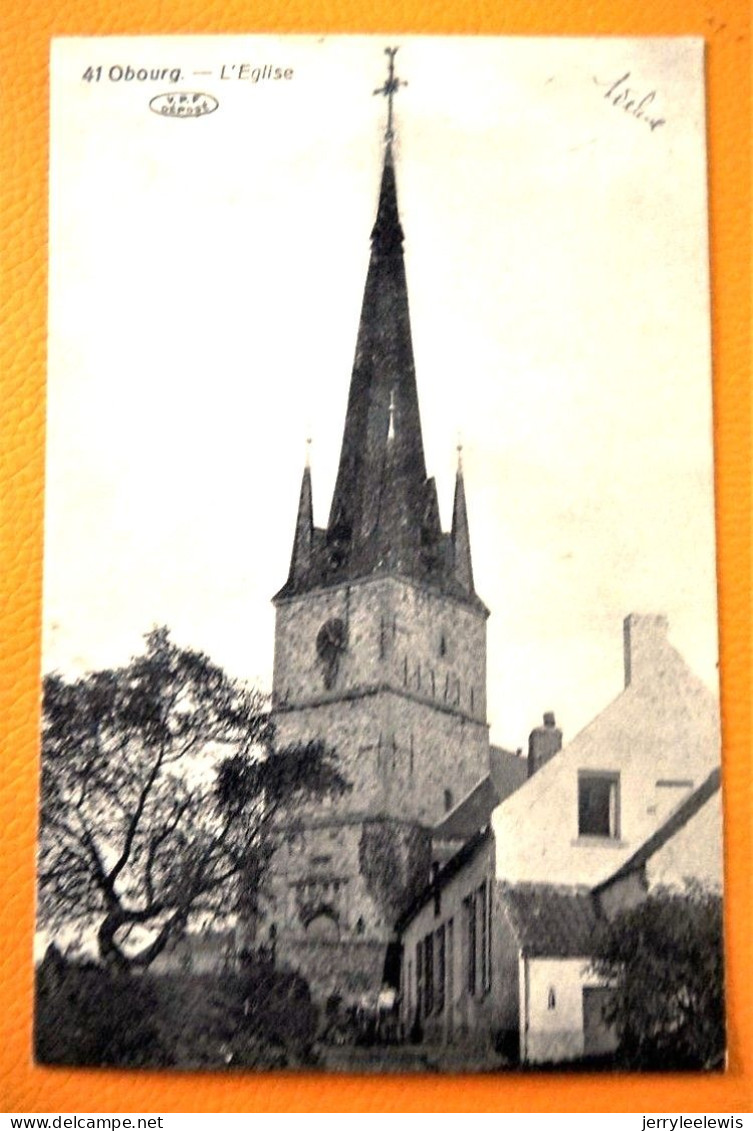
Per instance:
x=160, y=792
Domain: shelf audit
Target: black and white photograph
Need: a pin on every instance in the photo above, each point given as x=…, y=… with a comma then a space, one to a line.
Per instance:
x=380, y=710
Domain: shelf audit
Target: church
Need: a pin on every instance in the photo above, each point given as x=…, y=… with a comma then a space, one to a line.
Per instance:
x=380, y=650
x=454, y=871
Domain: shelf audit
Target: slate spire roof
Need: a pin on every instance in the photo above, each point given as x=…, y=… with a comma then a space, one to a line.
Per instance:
x=384, y=516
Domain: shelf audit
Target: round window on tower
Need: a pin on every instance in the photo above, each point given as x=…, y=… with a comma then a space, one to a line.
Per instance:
x=331, y=642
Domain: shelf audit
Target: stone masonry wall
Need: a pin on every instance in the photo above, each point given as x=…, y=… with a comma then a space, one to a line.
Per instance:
x=342, y=885
x=402, y=758
x=400, y=634
x=403, y=705
x=406, y=708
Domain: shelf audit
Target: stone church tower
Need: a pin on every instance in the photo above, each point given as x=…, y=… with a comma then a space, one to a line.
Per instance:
x=380, y=650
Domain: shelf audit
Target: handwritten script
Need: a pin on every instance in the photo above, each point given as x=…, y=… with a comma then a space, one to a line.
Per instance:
x=632, y=102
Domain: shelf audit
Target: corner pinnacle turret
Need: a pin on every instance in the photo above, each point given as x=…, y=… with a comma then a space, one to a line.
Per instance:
x=384, y=516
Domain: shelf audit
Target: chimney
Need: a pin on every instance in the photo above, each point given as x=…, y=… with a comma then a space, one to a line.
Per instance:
x=543, y=743
x=645, y=636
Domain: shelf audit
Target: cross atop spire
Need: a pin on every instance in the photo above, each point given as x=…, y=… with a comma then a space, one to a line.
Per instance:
x=389, y=90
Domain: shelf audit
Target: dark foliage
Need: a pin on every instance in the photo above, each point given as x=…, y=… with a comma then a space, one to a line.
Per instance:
x=665, y=958
x=88, y=1015
x=394, y=861
x=250, y=1018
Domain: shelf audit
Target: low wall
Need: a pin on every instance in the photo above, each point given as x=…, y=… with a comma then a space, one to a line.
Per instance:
x=350, y=969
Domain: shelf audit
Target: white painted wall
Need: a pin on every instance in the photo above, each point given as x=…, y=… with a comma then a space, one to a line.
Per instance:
x=663, y=727
x=555, y=1034
x=693, y=852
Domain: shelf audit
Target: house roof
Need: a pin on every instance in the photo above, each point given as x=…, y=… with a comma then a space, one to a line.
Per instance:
x=676, y=820
x=470, y=814
x=444, y=875
x=508, y=771
x=551, y=921
x=664, y=727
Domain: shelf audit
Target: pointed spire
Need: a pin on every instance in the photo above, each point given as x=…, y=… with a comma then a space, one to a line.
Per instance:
x=382, y=473
x=384, y=516
x=301, y=558
x=461, y=540
x=387, y=233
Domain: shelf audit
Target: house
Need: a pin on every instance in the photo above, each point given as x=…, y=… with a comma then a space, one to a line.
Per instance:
x=380, y=653
x=497, y=949
x=584, y=813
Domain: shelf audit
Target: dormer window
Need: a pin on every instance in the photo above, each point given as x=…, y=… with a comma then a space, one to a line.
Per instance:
x=598, y=804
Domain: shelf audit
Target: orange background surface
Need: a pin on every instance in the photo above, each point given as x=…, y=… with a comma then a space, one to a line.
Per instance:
x=27, y=26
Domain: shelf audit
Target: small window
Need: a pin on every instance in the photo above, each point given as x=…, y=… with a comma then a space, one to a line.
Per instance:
x=483, y=936
x=443, y=645
x=469, y=906
x=428, y=974
x=551, y=1001
x=440, y=951
x=599, y=805
x=447, y=800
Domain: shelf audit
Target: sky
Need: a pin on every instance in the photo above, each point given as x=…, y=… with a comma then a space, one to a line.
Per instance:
x=206, y=277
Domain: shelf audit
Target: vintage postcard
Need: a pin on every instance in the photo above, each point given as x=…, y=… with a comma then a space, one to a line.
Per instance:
x=381, y=726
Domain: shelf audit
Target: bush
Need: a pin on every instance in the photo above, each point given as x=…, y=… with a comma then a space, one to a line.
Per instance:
x=257, y=1017
x=89, y=1016
x=665, y=958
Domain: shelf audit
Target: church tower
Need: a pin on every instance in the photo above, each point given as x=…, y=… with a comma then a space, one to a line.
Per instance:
x=380, y=650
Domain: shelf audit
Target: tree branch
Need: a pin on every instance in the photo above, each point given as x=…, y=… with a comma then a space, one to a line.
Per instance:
x=122, y=860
